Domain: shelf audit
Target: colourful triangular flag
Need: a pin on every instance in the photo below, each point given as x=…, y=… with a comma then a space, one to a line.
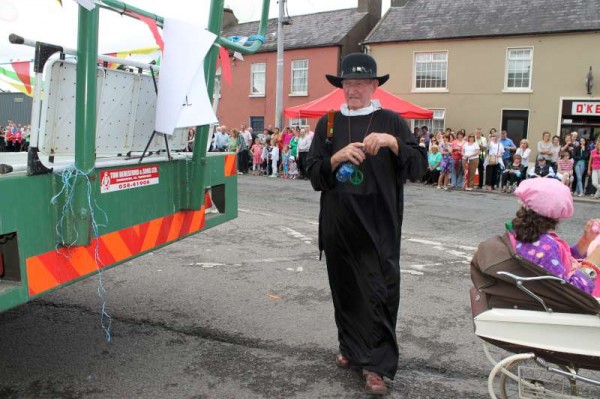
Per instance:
x=153, y=28
x=225, y=64
x=22, y=69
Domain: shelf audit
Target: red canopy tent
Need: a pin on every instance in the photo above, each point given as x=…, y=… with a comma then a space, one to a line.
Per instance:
x=333, y=100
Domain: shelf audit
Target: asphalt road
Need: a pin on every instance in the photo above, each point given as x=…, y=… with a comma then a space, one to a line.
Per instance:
x=243, y=310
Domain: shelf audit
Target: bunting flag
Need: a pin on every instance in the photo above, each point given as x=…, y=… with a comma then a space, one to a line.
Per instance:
x=225, y=64
x=22, y=68
x=127, y=53
x=11, y=78
x=153, y=28
x=17, y=86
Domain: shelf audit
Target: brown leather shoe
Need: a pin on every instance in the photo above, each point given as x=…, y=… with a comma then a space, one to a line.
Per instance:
x=374, y=384
x=342, y=361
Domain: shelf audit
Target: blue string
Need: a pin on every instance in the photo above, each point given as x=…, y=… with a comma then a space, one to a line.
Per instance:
x=69, y=178
x=260, y=38
x=249, y=40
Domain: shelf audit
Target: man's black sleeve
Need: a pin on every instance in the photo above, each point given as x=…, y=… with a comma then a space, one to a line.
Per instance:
x=412, y=158
x=318, y=160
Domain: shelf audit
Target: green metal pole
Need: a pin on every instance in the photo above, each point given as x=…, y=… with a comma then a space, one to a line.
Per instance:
x=85, y=119
x=262, y=31
x=215, y=22
x=121, y=7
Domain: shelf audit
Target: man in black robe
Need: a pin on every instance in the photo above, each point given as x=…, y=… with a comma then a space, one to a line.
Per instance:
x=360, y=219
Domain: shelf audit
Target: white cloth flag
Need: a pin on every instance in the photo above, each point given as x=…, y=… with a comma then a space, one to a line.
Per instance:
x=183, y=99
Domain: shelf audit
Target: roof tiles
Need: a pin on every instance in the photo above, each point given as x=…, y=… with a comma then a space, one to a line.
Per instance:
x=447, y=19
x=312, y=30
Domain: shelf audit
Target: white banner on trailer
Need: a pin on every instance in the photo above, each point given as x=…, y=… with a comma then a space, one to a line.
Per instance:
x=183, y=100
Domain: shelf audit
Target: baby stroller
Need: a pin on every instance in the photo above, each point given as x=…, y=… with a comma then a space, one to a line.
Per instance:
x=552, y=327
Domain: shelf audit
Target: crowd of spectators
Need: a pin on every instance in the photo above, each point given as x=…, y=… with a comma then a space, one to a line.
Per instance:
x=458, y=160
x=272, y=152
x=14, y=137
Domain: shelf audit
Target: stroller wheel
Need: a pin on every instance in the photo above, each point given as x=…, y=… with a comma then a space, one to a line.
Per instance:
x=533, y=381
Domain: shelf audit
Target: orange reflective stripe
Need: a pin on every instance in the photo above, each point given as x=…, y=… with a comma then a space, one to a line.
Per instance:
x=82, y=261
x=197, y=220
x=151, y=234
x=116, y=246
x=230, y=167
x=53, y=268
x=38, y=277
x=175, y=226
x=187, y=223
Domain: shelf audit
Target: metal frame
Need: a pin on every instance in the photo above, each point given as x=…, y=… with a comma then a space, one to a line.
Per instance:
x=176, y=210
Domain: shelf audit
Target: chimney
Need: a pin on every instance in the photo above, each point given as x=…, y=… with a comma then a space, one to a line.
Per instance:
x=399, y=3
x=229, y=18
x=373, y=7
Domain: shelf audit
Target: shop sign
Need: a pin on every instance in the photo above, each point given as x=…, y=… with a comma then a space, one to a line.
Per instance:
x=126, y=179
x=585, y=108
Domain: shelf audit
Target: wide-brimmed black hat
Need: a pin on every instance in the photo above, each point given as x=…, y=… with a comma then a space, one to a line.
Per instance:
x=357, y=66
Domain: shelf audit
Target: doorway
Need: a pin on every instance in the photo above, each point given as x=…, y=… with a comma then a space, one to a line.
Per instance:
x=515, y=122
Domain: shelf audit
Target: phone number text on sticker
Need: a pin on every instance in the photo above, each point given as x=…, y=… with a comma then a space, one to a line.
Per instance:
x=125, y=179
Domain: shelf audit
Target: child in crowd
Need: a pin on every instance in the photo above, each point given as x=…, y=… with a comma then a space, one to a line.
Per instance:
x=542, y=169
x=565, y=168
x=293, y=167
x=274, y=157
x=285, y=159
x=266, y=158
x=446, y=164
x=256, y=156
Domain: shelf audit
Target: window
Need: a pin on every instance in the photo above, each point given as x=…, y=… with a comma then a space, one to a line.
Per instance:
x=435, y=124
x=518, y=69
x=431, y=71
x=258, y=79
x=299, y=77
x=257, y=123
x=298, y=122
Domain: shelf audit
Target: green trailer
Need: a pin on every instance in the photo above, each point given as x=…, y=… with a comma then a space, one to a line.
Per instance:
x=69, y=215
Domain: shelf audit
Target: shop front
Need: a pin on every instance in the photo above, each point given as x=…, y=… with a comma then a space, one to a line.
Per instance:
x=580, y=115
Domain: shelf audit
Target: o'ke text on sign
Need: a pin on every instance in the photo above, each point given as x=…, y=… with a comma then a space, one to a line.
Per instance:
x=126, y=179
x=585, y=108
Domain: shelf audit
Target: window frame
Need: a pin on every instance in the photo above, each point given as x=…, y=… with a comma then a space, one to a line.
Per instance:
x=432, y=129
x=252, y=75
x=414, y=77
x=302, y=122
x=293, y=70
x=507, y=61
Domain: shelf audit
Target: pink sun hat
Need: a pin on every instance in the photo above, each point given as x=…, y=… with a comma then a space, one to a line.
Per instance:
x=547, y=197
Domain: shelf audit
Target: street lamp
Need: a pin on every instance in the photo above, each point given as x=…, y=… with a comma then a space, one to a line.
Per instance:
x=589, y=81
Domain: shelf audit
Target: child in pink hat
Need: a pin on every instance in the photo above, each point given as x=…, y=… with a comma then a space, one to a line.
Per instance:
x=543, y=203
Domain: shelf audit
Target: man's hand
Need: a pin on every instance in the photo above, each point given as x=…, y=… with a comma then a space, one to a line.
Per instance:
x=375, y=141
x=353, y=152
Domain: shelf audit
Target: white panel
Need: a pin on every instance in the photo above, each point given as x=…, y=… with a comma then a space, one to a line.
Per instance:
x=115, y=112
x=126, y=103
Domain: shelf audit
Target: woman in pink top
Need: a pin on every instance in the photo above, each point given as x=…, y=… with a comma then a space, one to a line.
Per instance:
x=457, y=173
x=287, y=136
x=594, y=168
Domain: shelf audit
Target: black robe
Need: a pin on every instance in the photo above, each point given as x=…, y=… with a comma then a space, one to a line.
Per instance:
x=359, y=230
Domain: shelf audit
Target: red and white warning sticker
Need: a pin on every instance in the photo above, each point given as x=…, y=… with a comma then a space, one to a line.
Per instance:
x=125, y=179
